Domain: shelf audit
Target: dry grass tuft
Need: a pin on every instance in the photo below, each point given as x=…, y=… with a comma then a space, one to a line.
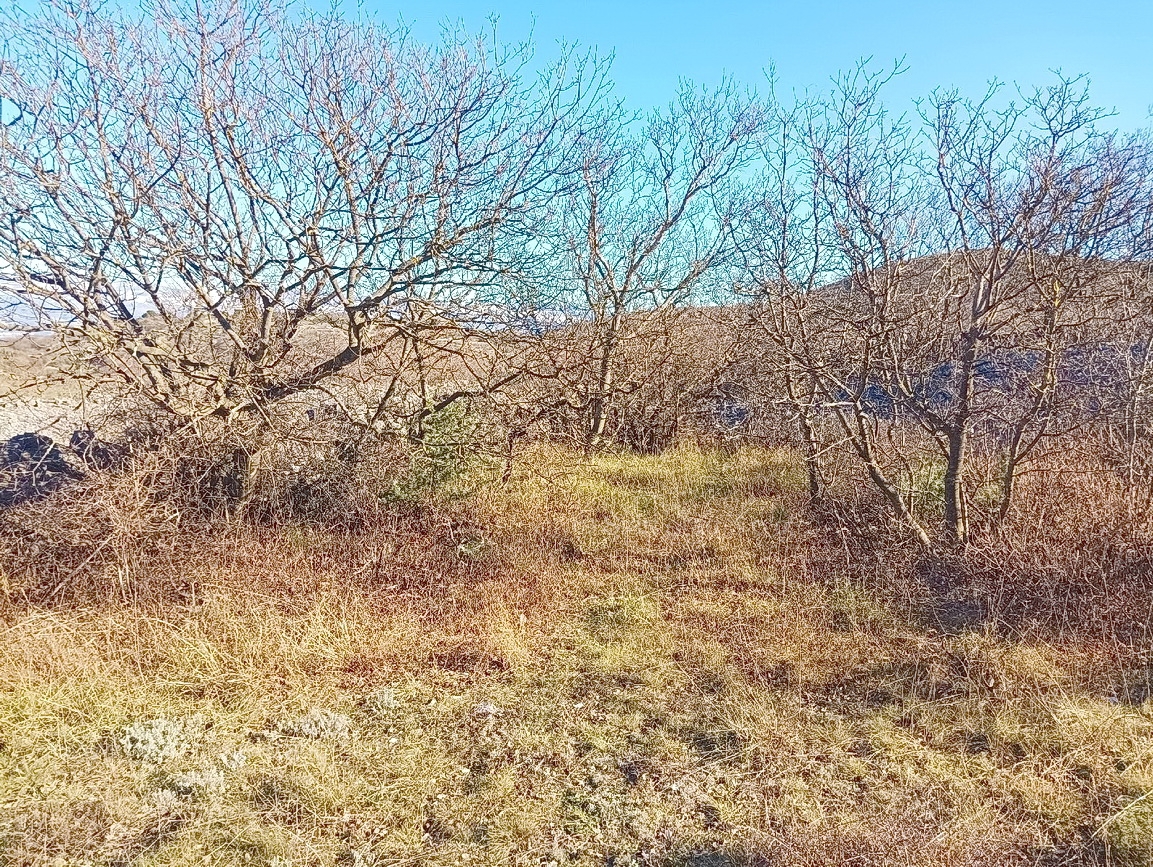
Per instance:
x=608, y=660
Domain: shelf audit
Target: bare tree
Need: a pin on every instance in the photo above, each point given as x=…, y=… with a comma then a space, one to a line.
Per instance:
x=978, y=262
x=647, y=229
x=1042, y=205
x=849, y=334
x=225, y=205
x=787, y=258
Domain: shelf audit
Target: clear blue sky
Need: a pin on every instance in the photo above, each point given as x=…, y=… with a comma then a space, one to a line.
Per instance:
x=945, y=42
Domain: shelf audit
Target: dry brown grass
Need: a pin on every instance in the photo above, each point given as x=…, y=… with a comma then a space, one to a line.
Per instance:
x=609, y=660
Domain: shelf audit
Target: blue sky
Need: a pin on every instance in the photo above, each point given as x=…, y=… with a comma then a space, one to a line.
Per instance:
x=945, y=43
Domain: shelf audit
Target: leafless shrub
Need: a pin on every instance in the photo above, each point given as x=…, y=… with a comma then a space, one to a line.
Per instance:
x=98, y=537
x=648, y=232
x=189, y=207
x=981, y=276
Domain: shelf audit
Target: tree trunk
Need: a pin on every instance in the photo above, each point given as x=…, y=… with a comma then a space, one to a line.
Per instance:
x=862, y=440
x=956, y=514
x=812, y=459
x=957, y=436
x=598, y=420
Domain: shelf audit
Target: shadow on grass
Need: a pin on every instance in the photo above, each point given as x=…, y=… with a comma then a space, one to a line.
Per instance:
x=719, y=858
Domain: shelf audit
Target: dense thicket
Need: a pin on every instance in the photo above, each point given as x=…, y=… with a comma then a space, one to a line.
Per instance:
x=297, y=239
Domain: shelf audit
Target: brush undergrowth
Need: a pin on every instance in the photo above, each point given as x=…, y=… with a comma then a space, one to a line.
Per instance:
x=609, y=660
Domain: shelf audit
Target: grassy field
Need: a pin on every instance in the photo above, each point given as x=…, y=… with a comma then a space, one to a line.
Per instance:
x=610, y=660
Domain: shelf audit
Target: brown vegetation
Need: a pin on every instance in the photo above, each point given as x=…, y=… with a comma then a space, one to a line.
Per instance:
x=438, y=464
x=617, y=658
